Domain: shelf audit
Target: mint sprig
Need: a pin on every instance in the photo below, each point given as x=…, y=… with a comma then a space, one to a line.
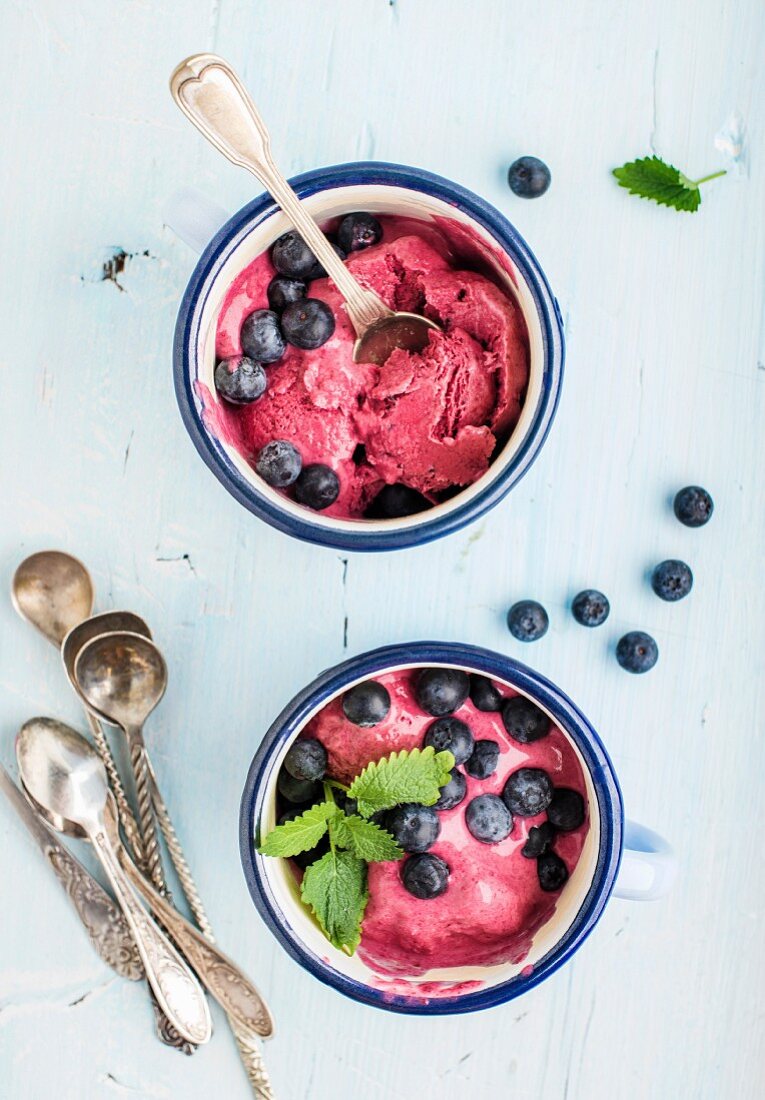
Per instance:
x=652, y=178
x=334, y=887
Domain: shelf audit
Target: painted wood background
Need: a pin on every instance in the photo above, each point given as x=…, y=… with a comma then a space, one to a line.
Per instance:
x=665, y=386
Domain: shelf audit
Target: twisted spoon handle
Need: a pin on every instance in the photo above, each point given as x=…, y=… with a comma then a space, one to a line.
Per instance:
x=127, y=820
x=212, y=97
x=152, y=852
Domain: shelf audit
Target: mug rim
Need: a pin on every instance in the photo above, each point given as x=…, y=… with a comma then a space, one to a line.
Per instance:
x=497, y=666
x=345, y=536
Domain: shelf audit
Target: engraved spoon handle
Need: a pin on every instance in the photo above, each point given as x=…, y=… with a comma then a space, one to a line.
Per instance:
x=177, y=990
x=252, y=1060
x=107, y=929
x=210, y=94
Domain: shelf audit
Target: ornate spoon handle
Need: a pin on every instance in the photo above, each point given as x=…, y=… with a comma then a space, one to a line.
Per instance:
x=140, y=766
x=128, y=822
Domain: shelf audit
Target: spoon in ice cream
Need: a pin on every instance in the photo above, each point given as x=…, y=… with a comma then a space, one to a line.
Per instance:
x=67, y=782
x=210, y=94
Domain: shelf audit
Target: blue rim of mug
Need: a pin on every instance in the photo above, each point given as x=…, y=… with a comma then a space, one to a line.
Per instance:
x=345, y=535
x=473, y=658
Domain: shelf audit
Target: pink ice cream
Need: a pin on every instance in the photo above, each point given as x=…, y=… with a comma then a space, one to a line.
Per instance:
x=430, y=421
x=493, y=904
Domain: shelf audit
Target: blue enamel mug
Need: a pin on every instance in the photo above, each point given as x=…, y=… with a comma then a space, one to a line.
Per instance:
x=619, y=858
x=226, y=249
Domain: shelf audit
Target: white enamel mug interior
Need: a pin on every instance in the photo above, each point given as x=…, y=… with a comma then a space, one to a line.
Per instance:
x=194, y=220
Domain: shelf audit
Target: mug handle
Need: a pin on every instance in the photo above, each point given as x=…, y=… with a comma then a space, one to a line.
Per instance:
x=193, y=217
x=648, y=866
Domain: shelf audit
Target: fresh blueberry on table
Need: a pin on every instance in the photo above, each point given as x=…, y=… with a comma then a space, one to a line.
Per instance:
x=693, y=506
x=452, y=792
x=484, y=695
x=566, y=809
x=283, y=291
x=590, y=607
x=524, y=720
x=240, y=380
x=672, y=580
x=298, y=790
x=528, y=792
x=441, y=691
x=357, y=231
x=551, y=872
x=483, y=760
x=527, y=621
x=488, y=819
x=395, y=502
x=529, y=177
x=425, y=876
x=279, y=463
x=452, y=734
x=317, y=487
x=308, y=323
x=637, y=651
x=306, y=759
x=261, y=337
x=415, y=828
x=366, y=704
x=540, y=838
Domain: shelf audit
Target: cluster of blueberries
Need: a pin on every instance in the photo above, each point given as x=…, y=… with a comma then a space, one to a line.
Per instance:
x=304, y=322
x=671, y=580
x=528, y=792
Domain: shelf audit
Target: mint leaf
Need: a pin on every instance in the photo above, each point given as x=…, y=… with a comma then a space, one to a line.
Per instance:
x=652, y=178
x=406, y=776
x=301, y=834
x=335, y=888
x=366, y=839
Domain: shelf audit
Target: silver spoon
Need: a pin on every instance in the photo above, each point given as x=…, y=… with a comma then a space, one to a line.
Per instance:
x=122, y=677
x=68, y=783
x=210, y=94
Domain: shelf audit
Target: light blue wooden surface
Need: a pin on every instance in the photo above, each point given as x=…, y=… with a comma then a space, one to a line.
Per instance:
x=665, y=385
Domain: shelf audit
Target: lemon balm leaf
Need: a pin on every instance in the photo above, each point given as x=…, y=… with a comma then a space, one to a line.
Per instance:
x=415, y=775
x=652, y=178
x=335, y=889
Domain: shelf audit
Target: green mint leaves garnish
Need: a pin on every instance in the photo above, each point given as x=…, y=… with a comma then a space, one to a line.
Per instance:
x=652, y=178
x=335, y=886
x=407, y=776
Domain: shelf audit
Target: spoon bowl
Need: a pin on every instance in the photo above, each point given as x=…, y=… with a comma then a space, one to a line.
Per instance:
x=52, y=591
x=121, y=676
x=107, y=622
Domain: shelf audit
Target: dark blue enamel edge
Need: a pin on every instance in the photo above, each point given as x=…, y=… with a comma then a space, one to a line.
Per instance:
x=189, y=318
x=565, y=713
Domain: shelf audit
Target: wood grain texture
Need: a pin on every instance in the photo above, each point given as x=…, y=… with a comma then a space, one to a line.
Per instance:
x=665, y=385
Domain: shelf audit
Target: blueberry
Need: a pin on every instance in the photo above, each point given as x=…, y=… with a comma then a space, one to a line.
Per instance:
x=529, y=177
x=528, y=792
x=694, y=506
x=349, y=806
x=261, y=337
x=283, y=291
x=452, y=734
x=366, y=704
x=425, y=876
x=590, y=607
x=524, y=721
x=483, y=760
x=358, y=231
x=483, y=694
x=566, y=810
x=637, y=651
x=308, y=324
x=317, y=487
x=298, y=790
x=441, y=691
x=291, y=256
x=414, y=827
x=552, y=872
x=452, y=792
x=527, y=621
x=488, y=819
x=240, y=380
x=279, y=463
x=306, y=759
x=672, y=580
x=540, y=838
x=395, y=502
